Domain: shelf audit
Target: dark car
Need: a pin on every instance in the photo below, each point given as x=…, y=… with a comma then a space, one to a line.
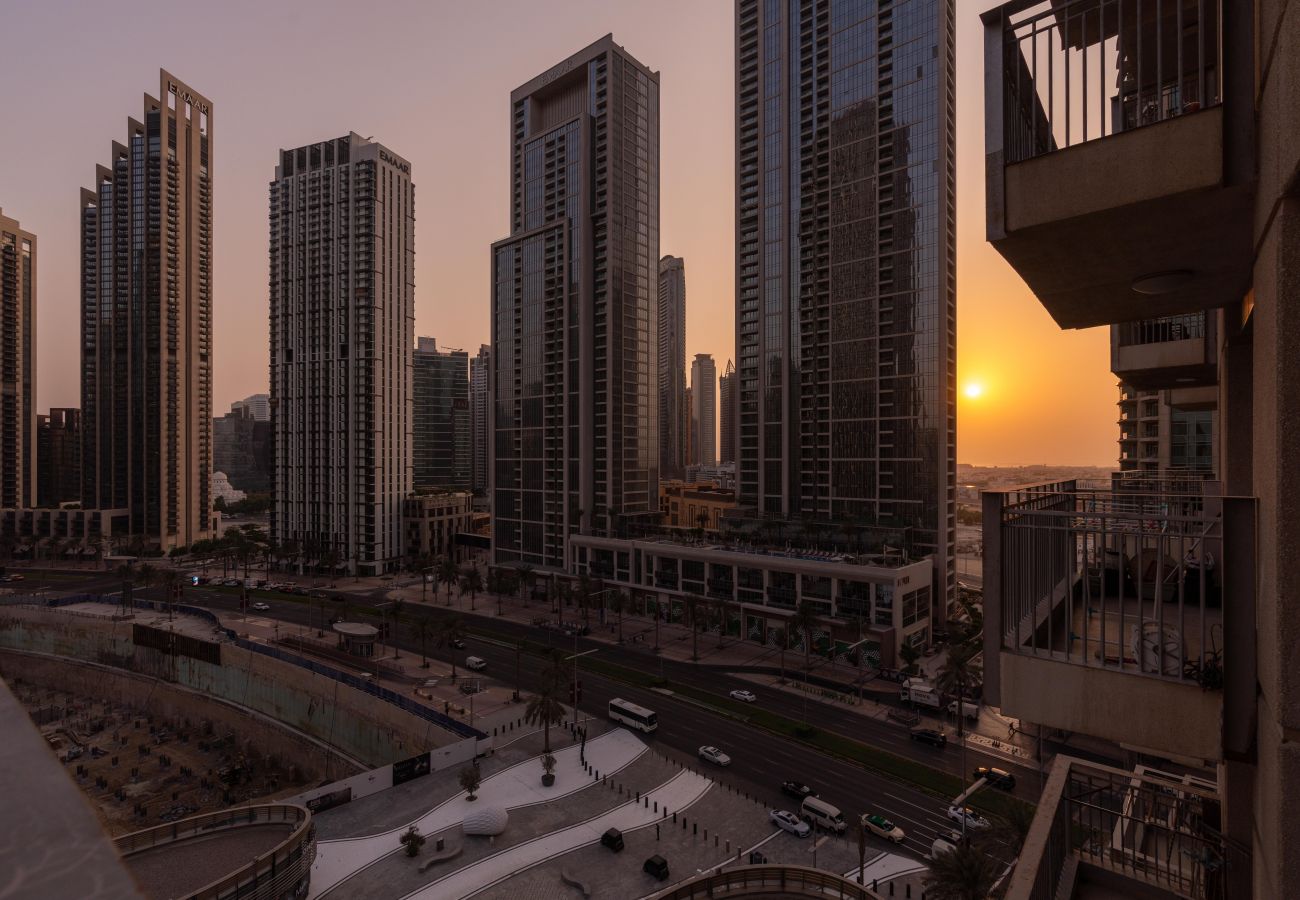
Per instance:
x=458, y=644
x=613, y=839
x=797, y=790
x=932, y=736
x=656, y=866
x=998, y=778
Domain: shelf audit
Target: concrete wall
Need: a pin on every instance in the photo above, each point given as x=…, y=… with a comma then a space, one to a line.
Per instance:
x=1174, y=719
x=363, y=728
x=364, y=784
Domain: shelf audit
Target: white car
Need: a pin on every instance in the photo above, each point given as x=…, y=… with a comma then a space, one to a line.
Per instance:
x=743, y=696
x=972, y=818
x=715, y=756
x=882, y=827
x=261, y=607
x=788, y=821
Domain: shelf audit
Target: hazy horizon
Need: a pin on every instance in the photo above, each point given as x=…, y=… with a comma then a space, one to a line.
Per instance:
x=432, y=81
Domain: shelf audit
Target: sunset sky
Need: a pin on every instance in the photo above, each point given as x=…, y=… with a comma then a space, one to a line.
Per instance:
x=432, y=80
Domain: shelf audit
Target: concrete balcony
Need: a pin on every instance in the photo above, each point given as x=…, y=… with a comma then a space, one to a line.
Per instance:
x=1101, y=832
x=1110, y=157
x=1175, y=352
x=1127, y=614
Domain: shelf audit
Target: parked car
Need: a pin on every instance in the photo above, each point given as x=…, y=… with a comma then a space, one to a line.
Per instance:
x=715, y=756
x=972, y=818
x=882, y=827
x=998, y=778
x=932, y=736
x=613, y=839
x=797, y=790
x=743, y=696
x=261, y=607
x=656, y=866
x=788, y=821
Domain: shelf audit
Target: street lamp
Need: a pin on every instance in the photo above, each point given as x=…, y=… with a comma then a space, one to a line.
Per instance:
x=575, y=657
x=849, y=649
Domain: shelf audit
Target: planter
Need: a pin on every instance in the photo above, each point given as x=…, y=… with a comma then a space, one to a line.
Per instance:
x=548, y=779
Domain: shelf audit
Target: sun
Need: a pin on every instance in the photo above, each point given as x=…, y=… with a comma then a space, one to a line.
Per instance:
x=974, y=389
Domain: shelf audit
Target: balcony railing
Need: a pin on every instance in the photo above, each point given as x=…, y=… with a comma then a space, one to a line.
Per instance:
x=1078, y=70
x=1134, y=579
x=1162, y=330
x=1145, y=826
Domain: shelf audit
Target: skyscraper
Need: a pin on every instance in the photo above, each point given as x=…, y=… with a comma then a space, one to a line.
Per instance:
x=58, y=457
x=17, y=365
x=241, y=448
x=342, y=330
x=146, y=322
x=727, y=409
x=704, y=410
x=574, y=358
x=442, y=440
x=479, y=400
x=672, y=367
x=258, y=406
x=845, y=262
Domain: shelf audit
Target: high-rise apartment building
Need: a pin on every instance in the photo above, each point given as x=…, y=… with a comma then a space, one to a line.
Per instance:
x=727, y=412
x=575, y=363
x=258, y=406
x=479, y=409
x=672, y=367
x=342, y=242
x=241, y=448
x=146, y=322
x=1159, y=432
x=58, y=457
x=17, y=365
x=442, y=441
x=1142, y=174
x=704, y=410
x=846, y=268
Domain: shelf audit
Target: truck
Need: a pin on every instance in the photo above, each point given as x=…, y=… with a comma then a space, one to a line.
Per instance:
x=920, y=692
x=969, y=710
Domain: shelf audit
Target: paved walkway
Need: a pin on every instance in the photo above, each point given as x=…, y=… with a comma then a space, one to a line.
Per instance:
x=520, y=785
x=677, y=794
x=886, y=867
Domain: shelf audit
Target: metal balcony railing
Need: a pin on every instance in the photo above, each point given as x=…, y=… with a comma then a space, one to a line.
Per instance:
x=1162, y=330
x=1077, y=70
x=1131, y=579
x=1146, y=826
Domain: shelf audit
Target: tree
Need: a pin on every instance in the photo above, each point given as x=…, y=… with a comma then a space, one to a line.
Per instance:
x=960, y=671
x=527, y=580
x=561, y=593
x=619, y=601
x=451, y=631
x=423, y=631
x=448, y=574
x=963, y=873
x=127, y=573
x=910, y=655
x=804, y=620
x=471, y=581
x=783, y=639
x=693, y=604
x=544, y=708
x=412, y=840
x=470, y=779
x=146, y=575
x=584, y=598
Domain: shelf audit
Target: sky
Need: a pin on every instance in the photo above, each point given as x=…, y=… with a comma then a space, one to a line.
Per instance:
x=432, y=81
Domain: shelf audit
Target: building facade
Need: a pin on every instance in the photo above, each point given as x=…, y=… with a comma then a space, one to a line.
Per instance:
x=694, y=504
x=672, y=367
x=575, y=445
x=58, y=457
x=1168, y=430
x=258, y=406
x=479, y=408
x=18, y=478
x=443, y=440
x=727, y=415
x=342, y=239
x=241, y=448
x=431, y=520
x=146, y=322
x=704, y=410
x=846, y=262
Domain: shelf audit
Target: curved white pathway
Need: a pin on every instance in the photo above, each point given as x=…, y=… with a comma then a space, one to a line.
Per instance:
x=674, y=795
x=518, y=786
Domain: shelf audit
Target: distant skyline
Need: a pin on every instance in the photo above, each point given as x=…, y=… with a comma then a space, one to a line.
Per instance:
x=439, y=95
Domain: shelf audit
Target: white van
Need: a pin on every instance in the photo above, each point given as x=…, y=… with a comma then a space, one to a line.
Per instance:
x=822, y=815
x=476, y=663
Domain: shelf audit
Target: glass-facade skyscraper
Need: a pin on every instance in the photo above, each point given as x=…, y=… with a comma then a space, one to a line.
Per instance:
x=672, y=367
x=704, y=410
x=146, y=322
x=845, y=267
x=574, y=373
x=478, y=417
x=442, y=439
x=18, y=478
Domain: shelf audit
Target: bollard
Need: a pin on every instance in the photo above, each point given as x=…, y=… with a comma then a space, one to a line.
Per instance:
x=638, y=796
x=728, y=848
x=891, y=889
x=875, y=884
x=656, y=833
x=656, y=807
x=674, y=818
x=715, y=840
x=907, y=890
x=695, y=829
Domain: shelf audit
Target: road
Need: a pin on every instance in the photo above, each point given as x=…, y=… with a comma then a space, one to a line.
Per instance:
x=761, y=760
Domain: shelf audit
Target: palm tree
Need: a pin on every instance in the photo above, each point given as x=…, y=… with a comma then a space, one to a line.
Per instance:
x=693, y=604
x=290, y=550
x=451, y=631
x=620, y=601
x=171, y=580
x=147, y=575
x=562, y=594
x=396, y=617
x=423, y=631
x=472, y=581
x=544, y=707
x=805, y=619
x=330, y=560
x=527, y=579
x=960, y=671
x=448, y=574
x=963, y=873
x=127, y=573
x=783, y=638
x=584, y=598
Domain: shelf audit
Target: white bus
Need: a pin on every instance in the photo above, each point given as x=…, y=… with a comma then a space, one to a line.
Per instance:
x=633, y=716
